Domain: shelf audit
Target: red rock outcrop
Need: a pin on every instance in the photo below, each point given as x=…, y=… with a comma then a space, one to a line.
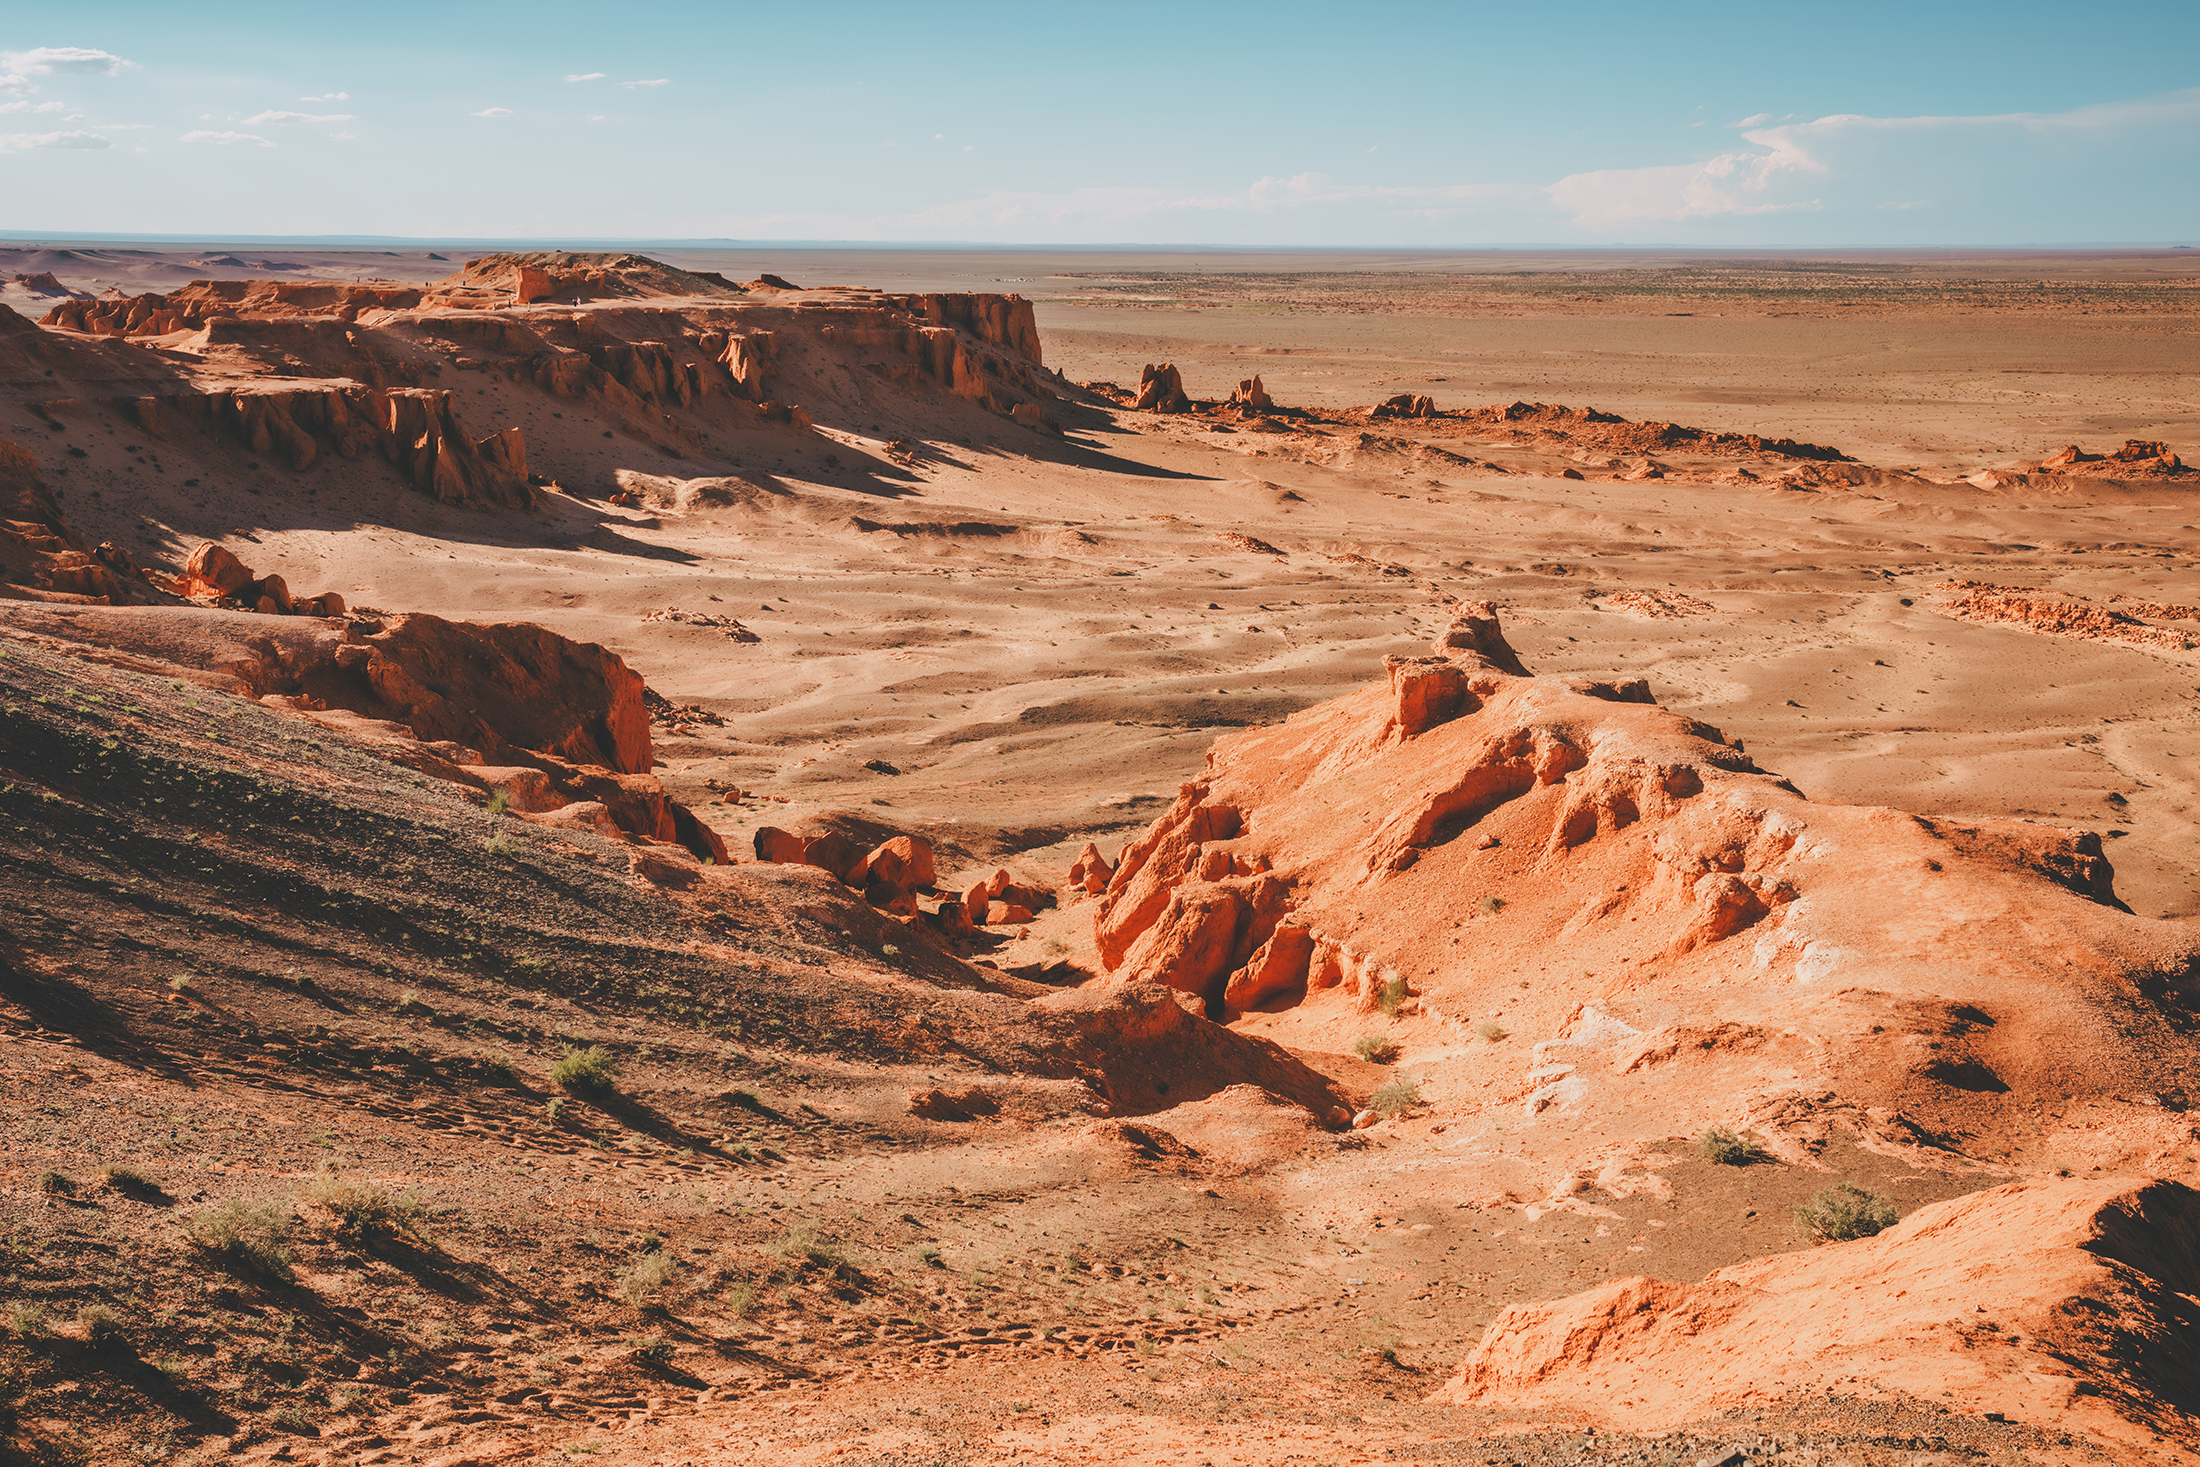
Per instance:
x=214, y=574
x=2063, y=1304
x=1161, y=390
x=43, y=559
x=519, y=279
x=1404, y=405
x=1437, y=838
x=1252, y=394
x=202, y=302
x=1089, y=873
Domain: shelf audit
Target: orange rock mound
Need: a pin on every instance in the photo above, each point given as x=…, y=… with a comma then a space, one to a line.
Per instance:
x=2064, y=1305
x=1691, y=940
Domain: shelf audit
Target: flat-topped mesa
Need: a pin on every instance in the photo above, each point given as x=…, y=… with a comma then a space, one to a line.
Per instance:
x=518, y=279
x=1461, y=825
x=195, y=306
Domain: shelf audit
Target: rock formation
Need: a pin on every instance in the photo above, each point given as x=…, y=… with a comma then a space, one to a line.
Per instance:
x=43, y=559
x=1161, y=390
x=1768, y=960
x=1251, y=394
x=2064, y=1305
x=1404, y=405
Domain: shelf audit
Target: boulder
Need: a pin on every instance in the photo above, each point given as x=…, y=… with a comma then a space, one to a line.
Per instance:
x=1090, y=871
x=1404, y=405
x=842, y=857
x=781, y=847
x=903, y=863
x=213, y=571
x=1003, y=914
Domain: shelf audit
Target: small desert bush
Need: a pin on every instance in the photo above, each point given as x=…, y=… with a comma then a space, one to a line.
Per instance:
x=129, y=1181
x=54, y=1184
x=804, y=1241
x=363, y=1210
x=590, y=1071
x=1490, y=1031
x=501, y=845
x=244, y=1236
x=102, y=1327
x=1490, y=906
x=654, y=1350
x=499, y=804
x=1380, y=1049
x=644, y=1277
x=1401, y=1094
x=1845, y=1211
x=1390, y=993
x=929, y=1256
x=26, y=1320
x=1726, y=1147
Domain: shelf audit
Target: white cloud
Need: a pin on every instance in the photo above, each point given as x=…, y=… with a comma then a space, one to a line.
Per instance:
x=49, y=60
x=331, y=97
x=226, y=139
x=260, y=119
x=1802, y=164
x=1757, y=119
x=574, y=76
x=33, y=107
x=662, y=81
x=492, y=112
x=14, y=141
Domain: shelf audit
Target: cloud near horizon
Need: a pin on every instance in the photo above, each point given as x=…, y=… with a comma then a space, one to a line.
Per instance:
x=284, y=119
x=52, y=60
x=1834, y=160
x=225, y=139
x=492, y=112
x=580, y=76
x=14, y=141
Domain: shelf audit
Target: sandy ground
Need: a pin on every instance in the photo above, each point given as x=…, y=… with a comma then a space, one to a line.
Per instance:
x=1040, y=644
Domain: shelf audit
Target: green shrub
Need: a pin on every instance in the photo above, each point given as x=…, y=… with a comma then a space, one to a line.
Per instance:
x=1401, y=1094
x=54, y=1184
x=1727, y=1148
x=1843, y=1212
x=1490, y=1031
x=243, y=1236
x=655, y=1350
x=804, y=1241
x=26, y=1320
x=499, y=803
x=929, y=1256
x=1390, y=993
x=644, y=1277
x=363, y=1210
x=1379, y=1049
x=590, y=1071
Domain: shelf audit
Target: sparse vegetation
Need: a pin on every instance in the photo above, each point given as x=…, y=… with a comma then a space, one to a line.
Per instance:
x=54, y=1184
x=804, y=1241
x=929, y=1256
x=499, y=803
x=102, y=1327
x=1401, y=1094
x=1490, y=906
x=26, y=1320
x=1489, y=1031
x=645, y=1277
x=1844, y=1212
x=1727, y=1147
x=590, y=1071
x=1390, y=993
x=655, y=1350
x=245, y=1237
x=501, y=845
x=181, y=983
x=364, y=1211
x=1378, y=1049
x=554, y=1108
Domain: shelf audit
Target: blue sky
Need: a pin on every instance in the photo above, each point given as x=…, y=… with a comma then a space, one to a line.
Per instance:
x=1283, y=124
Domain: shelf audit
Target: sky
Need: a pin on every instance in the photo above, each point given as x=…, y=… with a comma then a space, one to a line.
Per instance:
x=1287, y=125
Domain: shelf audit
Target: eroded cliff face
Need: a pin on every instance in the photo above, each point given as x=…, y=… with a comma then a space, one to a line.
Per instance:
x=313, y=373
x=1692, y=940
